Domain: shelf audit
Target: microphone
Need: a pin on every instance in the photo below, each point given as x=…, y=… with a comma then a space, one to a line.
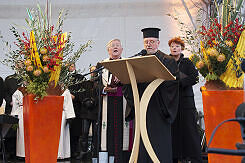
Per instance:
x=240, y=111
x=98, y=69
x=141, y=53
x=240, y=116
x=95, y=71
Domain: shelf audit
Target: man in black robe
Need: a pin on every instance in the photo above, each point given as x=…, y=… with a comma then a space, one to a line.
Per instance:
x=10, y=85
x=76, y=123
x=163, y=104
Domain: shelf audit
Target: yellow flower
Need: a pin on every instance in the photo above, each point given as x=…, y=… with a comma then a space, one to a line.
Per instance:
x=203, y=88
x=200, y=64
x=54, y=59
x=45, y=58
x=221, y=58
x=37, y=72
x=43, y=51
x=45, y=69
x=191, y=57
x=212, y=52
x=215, y=43
x=29, y=68
x=229, y=43
x=28, y=62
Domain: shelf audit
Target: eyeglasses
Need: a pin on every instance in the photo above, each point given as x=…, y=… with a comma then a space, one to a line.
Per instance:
x=115, y=45
x=150, y=41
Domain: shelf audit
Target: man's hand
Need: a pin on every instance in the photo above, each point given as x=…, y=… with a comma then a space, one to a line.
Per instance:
x=116, y=80
x=72, y=97
x=110, y=89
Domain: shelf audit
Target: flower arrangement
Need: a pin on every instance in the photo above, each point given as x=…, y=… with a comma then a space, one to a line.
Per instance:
x=220, y=44
x=43, y=53
x=217, y=48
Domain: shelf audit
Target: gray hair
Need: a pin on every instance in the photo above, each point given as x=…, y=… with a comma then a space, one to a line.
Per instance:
x=109, y=43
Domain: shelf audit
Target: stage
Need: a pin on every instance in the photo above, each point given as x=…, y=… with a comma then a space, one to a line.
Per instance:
x=16, y=160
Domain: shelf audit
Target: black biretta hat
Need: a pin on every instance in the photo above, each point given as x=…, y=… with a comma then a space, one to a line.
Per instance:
x=151, y=32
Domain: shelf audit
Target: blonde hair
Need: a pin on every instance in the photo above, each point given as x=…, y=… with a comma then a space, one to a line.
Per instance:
x=90, y=68
x=109, y=43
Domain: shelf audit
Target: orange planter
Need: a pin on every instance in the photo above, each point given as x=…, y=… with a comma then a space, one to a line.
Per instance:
x=219, y=106
x=42, y=122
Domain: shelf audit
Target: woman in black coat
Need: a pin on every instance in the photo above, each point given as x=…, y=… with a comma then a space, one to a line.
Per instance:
x=186, y=142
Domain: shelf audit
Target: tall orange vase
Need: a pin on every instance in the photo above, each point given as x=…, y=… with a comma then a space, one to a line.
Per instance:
x=219, y=106
x=42, y=122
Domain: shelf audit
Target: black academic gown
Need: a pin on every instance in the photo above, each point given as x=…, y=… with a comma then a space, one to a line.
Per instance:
x=161, y=112
x=185, y=135
x=11, y=84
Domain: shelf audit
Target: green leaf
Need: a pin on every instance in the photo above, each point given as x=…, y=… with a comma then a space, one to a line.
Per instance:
x=239, y=5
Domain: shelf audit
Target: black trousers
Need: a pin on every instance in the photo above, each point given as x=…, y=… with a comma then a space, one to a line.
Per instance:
x=75, y=132
x=86, y=123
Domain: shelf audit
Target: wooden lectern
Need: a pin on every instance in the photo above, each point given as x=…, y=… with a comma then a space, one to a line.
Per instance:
x=140, y=70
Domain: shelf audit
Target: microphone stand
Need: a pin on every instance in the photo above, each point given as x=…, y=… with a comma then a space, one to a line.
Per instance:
x=99, y=112
x=98, y=70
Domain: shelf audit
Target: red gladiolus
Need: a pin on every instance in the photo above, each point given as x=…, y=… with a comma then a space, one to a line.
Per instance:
x=219, y=26
x=203, y=28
